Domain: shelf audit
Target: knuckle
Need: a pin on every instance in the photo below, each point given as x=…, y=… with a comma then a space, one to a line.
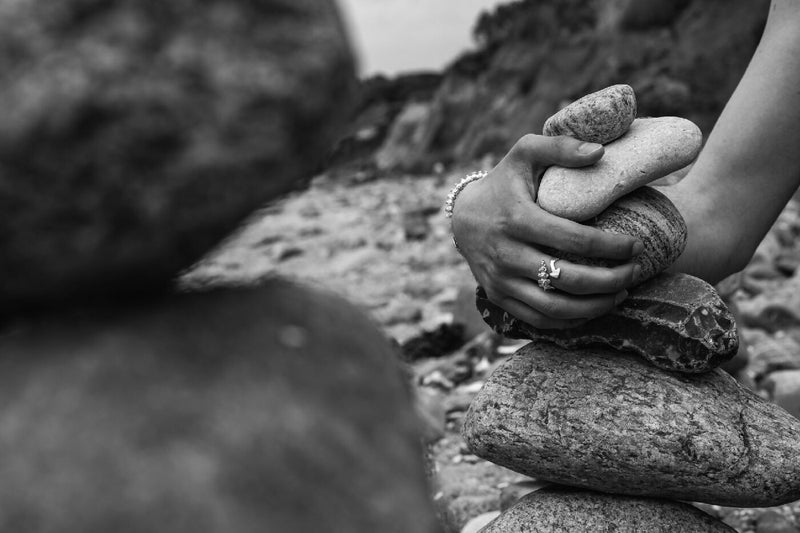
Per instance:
x=580, y=284
x=577, y=242
x=561, y=144
x=550, y=307
x=618, y=281
x=527, y=145
x=503, y=257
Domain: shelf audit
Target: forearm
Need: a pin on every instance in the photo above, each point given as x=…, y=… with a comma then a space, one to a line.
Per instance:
x=750, y=165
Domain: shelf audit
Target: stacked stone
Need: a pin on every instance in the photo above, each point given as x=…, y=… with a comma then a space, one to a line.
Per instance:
x=628, y=415
x=135, y=135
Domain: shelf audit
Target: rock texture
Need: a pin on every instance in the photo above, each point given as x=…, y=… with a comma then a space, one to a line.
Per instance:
x=649, y=216
x=675, y=321
x=232, y=410
x=651, y=149
x=599, y=117
x=137, y=134
x=606, y=421
x=564, y=510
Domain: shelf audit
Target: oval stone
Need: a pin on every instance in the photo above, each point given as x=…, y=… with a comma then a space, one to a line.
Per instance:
x=560, y=509
x=599, y=117
x=651, y=149
x=607, y=421
x=676, y=322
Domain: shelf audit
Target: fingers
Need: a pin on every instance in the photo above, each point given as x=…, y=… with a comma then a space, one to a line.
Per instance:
x=552, y=309
x=579, y=279
x=519, y=261
x=537, y=226
x=538, y=150
x=537, y=319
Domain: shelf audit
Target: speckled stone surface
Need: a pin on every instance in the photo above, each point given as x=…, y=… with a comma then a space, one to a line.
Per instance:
x=651, y=149
x=598, y=117
x=649, y=216
x=675, y=321
x=566, y=510
x=608, y=421
x=137, y=134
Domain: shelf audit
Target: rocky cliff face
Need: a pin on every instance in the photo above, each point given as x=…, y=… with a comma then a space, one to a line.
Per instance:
x=533, y=56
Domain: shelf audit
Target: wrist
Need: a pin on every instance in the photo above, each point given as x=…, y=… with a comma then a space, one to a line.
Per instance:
x=452, y=196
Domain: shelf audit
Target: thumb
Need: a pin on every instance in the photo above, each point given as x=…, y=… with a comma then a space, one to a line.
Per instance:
x=540, y=151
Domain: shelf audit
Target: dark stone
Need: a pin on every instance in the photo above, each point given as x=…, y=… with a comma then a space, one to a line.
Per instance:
x=651, y=217
x=675, y=321
x=562, y=510
x=136, y=134
x=603, y=420
x=273, y=409
x=438, y=342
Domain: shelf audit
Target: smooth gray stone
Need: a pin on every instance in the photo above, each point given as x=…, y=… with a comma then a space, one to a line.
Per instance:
x=599, y=117
x=566, y=510
x=277, y=409
x=604, y=420
x=651, y=149
x=137, y=134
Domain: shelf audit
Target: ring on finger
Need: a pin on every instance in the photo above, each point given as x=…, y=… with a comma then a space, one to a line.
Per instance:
x=544, y=277
x=554, y=272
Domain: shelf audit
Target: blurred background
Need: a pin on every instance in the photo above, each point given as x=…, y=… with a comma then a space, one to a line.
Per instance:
x=445, y=84
x=397, y=36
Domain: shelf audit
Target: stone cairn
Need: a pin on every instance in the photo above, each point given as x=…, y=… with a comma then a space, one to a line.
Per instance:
x=628, y=415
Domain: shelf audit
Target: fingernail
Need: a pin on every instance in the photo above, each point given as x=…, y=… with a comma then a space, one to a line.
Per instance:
x=637, y=272
x=620, y=297
x=588, y=148
x=638, y=247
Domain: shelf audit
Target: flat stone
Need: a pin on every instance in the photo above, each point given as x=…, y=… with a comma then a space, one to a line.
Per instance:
x=136, y=135
x=230, y=410
x=651, y=149
x=607, y=421
x=675, y=321
x=651, y=217
x=599, y=117
x=566, y=510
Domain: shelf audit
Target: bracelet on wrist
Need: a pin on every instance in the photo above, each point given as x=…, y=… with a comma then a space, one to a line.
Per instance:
x=450, y=202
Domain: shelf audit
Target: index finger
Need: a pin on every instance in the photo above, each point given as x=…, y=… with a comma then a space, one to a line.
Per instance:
x=537, y=226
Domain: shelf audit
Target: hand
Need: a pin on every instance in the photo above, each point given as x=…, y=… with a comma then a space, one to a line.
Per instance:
x=499, y=227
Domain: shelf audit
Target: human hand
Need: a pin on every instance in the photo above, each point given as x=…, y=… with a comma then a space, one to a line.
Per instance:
x=500, y=231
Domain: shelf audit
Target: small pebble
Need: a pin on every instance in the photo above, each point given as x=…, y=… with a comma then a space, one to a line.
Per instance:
x=599, y=117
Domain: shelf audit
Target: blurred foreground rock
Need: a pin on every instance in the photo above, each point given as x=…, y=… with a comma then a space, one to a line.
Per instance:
x=136, y=135
x=276, y=409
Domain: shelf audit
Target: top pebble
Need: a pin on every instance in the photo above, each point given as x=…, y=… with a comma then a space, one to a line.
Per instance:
x=599, y=117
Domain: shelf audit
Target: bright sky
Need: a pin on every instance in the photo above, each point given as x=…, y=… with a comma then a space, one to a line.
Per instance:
x=392, y=36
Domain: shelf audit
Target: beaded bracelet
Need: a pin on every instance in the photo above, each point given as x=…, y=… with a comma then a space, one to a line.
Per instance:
x=451, y=197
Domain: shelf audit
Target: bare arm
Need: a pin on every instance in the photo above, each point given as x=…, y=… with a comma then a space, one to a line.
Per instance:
x=750, y=165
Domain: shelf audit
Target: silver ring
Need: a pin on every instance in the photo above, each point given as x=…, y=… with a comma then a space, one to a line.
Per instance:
x=554, y=272
x=544, y=277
